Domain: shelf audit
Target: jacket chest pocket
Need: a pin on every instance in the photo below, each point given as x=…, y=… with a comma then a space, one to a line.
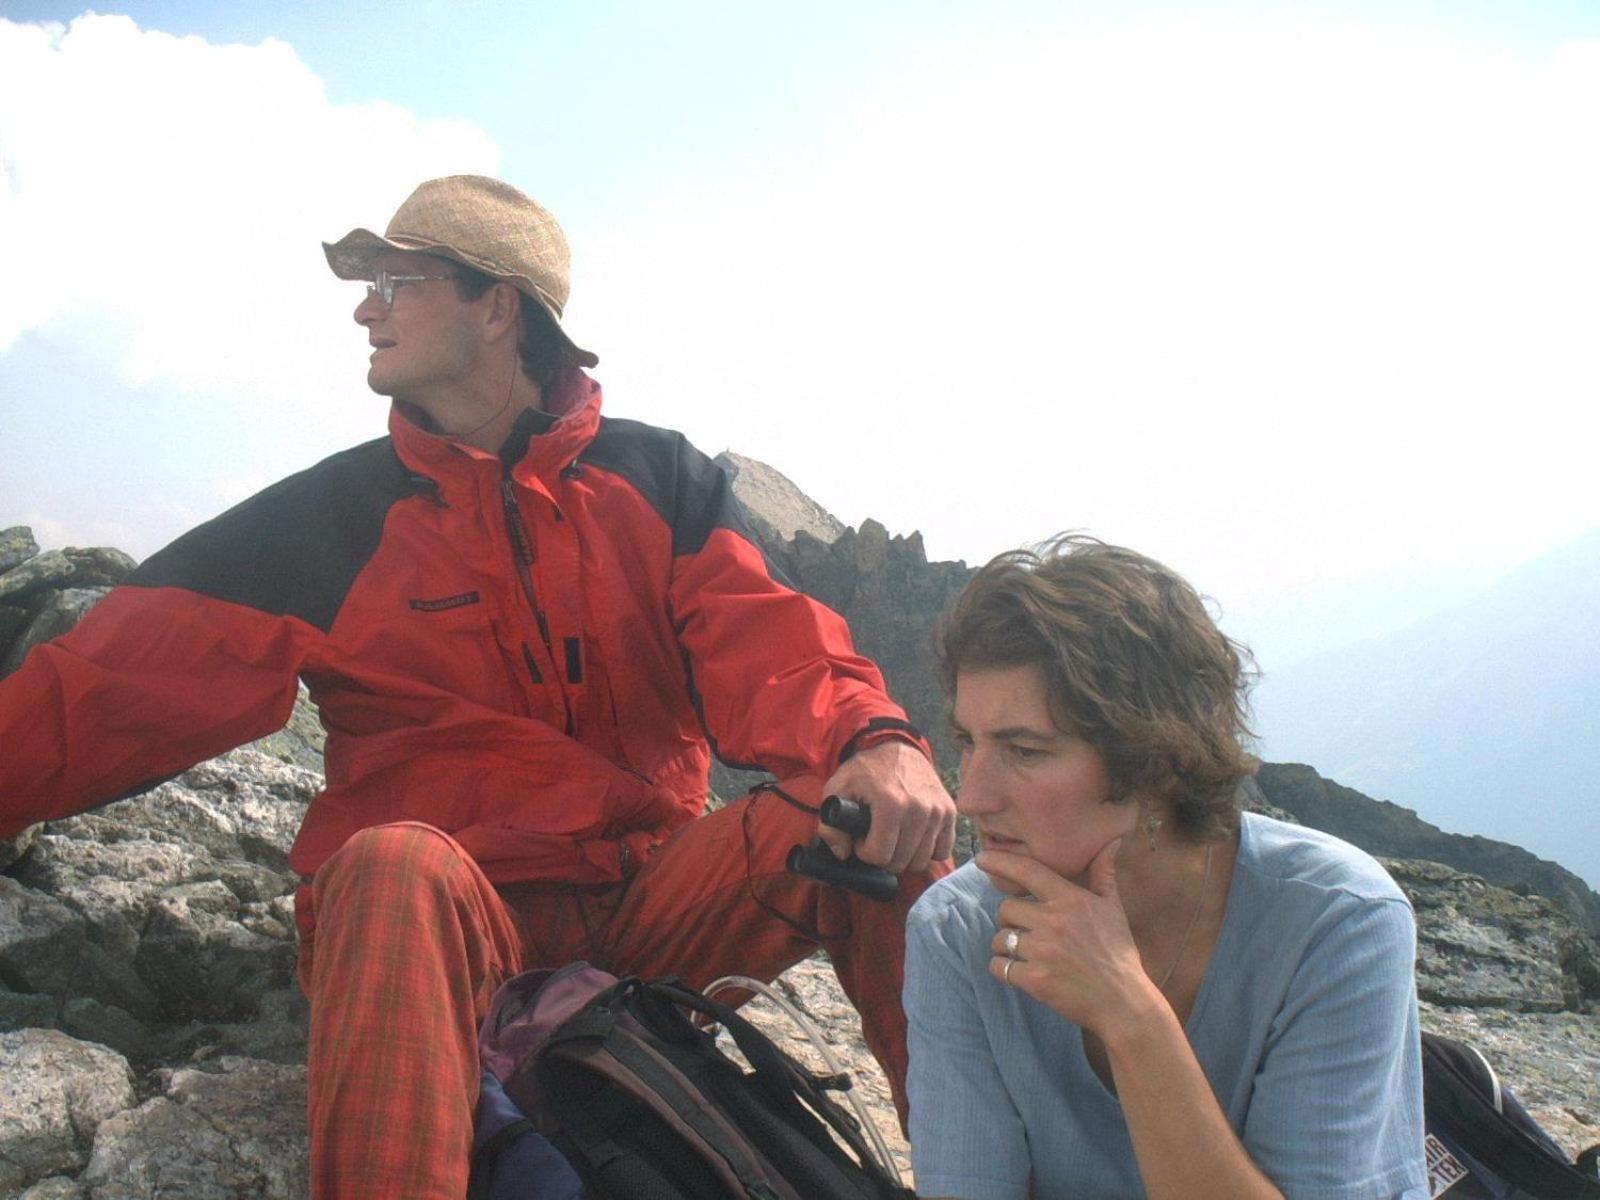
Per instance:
x=458, y=646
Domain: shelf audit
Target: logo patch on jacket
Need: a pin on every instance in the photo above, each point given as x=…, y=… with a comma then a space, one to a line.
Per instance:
x=446, y=602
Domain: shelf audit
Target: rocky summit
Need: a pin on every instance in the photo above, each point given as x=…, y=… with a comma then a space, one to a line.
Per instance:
x=152, y=1036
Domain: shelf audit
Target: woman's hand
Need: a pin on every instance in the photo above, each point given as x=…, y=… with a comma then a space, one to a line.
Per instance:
x=1073, y=949
x=1077, y=955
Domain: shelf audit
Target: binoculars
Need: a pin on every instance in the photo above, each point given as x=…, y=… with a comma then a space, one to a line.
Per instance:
x=818, y=862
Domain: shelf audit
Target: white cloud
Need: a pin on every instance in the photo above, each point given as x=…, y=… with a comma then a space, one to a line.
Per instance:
x=1300, y=307
x=165, y=197
x=1291, y=304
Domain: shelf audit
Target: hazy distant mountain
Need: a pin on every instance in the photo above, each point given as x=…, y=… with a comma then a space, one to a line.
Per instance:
x=1485, y=719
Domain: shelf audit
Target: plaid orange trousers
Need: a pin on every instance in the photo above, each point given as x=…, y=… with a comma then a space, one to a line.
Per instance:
x=404, y=941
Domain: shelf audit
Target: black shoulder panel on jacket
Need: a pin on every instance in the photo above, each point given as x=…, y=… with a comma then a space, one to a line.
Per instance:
x=296, y=548
x=692, y=494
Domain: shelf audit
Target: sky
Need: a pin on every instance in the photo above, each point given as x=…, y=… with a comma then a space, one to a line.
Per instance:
x=1300, y=299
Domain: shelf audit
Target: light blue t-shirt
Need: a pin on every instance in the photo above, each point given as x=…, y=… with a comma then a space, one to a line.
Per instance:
x=1305, y=1026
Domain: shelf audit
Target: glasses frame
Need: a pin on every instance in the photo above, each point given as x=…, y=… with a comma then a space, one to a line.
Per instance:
x=383, y=285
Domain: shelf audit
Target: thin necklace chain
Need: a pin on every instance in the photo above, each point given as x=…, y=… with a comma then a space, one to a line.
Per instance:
x=1194, y=919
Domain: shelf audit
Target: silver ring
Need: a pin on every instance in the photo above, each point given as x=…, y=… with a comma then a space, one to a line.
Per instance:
x=1013, y=936
x=1005, y=974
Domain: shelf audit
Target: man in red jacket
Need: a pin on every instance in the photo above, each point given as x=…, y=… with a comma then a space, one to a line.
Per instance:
x=525, y=625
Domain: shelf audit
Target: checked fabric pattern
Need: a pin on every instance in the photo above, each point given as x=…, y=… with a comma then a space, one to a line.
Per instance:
x=404, y=941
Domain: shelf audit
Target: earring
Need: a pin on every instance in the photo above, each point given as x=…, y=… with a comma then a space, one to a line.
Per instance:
x=1152, y=826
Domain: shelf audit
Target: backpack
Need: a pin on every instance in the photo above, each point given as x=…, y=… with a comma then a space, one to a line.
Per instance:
x=642, y=1101
x=1482, y=1144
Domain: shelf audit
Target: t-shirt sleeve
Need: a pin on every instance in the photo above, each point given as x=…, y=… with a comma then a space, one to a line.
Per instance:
x=967, y=1139
x=1336, y=1111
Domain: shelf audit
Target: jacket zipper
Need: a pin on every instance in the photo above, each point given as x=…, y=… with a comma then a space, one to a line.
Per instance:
x=525, y=558
x=524, y=553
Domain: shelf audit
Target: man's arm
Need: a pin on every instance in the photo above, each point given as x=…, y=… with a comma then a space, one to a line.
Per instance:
x=151, y=681
x=201, y=649
x=781, y=686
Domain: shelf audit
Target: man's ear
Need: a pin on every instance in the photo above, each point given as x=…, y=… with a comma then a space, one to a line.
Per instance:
x=505, y=312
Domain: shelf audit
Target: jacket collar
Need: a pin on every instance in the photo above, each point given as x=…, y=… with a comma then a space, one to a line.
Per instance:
x=539, y=446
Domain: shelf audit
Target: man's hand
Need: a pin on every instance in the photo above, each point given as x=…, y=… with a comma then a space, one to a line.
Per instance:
x=913, y=817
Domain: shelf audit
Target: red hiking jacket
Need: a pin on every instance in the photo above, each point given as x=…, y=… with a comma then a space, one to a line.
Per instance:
x=527, y=651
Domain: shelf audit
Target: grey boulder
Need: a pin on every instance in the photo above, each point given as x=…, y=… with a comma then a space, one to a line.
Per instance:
x=57, y=1093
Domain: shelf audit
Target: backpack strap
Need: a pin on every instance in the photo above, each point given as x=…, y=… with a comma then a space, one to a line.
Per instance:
x=779, y=1075
x=1589, y=1161
x=836, y=1079
x=786, y=1082
x=597, y=1040
x=1497, y=1094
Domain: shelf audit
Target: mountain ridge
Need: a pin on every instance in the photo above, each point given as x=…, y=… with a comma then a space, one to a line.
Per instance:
x=1474, y=714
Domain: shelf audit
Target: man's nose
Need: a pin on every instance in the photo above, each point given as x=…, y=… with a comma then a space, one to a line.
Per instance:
x=369, y=310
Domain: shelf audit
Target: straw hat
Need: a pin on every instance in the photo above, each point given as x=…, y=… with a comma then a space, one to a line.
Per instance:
x=481, y=223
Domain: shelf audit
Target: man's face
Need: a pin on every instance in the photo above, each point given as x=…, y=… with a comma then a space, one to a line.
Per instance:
x=423, y=344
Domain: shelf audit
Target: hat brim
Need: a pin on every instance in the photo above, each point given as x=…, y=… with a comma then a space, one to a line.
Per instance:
x=355, y=256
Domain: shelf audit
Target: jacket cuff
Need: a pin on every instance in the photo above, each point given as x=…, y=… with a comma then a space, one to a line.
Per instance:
x=884, y=729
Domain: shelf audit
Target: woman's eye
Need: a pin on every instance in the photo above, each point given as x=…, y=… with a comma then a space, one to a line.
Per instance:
x=1026, y=753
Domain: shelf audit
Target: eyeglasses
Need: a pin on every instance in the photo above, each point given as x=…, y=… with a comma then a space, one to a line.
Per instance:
x=383, y=284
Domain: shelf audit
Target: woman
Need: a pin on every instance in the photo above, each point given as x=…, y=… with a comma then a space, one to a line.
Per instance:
x=1135, y=990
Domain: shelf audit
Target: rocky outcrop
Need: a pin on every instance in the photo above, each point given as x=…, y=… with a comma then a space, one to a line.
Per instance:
x=234, y=1129
x=73, y=1127
x=163, y=926
x=1481, y=946
x=777, y=509
x=42, y=595
x=151, y=943
x=154, y=1036
x=1485, y=947
x=58, y=1091
x=1388, y=830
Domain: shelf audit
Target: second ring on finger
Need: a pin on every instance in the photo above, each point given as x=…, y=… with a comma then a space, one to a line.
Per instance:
x=1011, y=940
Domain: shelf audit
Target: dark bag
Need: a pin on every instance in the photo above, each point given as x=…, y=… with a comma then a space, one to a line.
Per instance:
x=1481, y=1142
x=645, y=1104
x=511, y=1160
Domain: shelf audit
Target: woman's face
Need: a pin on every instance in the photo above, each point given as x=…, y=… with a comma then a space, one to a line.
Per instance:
x=1028, y=787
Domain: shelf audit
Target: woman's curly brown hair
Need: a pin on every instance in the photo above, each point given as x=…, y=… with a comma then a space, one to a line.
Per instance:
x=1133, y=663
